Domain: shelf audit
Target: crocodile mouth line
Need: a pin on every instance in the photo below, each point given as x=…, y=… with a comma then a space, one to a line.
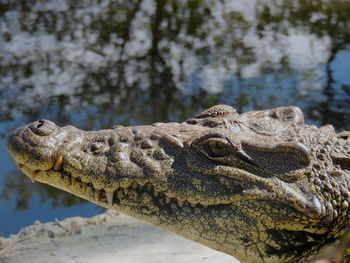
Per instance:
x=108, y=197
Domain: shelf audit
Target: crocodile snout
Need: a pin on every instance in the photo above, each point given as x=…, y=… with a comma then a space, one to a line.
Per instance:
x=33, y=146
x=31, y=137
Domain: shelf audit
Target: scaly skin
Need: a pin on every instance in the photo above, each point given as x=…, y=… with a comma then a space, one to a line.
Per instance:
x=261, y=186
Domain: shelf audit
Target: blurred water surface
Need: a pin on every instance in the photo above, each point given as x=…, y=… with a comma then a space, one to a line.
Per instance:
x=95, y=64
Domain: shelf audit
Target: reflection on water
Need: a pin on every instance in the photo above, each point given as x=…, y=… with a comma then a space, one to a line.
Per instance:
x=95, y=64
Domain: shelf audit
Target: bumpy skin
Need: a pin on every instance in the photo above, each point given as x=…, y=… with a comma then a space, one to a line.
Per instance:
x=261, y=186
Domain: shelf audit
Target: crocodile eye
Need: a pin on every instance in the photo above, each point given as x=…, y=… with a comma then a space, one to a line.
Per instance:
x=216, y=147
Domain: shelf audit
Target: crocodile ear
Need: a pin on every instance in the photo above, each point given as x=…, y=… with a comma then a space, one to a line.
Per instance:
x=342, y=158
x=289, y=161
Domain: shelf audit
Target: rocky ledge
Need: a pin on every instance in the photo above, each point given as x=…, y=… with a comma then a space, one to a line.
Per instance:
x=108, y=237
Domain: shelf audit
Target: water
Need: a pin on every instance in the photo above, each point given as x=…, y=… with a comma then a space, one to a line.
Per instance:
x=95, y=64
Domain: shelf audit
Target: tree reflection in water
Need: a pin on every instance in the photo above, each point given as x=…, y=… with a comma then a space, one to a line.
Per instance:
x=95, y=64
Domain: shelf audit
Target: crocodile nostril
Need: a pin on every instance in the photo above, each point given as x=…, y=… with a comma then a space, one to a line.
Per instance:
x=40, y=123
x=43, y=127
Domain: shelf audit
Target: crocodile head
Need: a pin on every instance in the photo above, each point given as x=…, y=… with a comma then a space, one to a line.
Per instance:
x=251, y=185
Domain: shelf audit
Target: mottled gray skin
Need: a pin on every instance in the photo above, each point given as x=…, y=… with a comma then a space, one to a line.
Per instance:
x=261, y=186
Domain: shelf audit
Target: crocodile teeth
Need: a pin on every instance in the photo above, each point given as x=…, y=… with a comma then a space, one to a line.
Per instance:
x=180, y=203
x=58, y=164
x=167, y=200
x=73, y=181
x=33, y=175
x=20, y=165
x=109, y=196
x=193, y=205
x=97, y=195
x=84, y=186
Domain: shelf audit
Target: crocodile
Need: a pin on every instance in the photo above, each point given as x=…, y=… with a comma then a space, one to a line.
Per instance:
x=262, y=186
